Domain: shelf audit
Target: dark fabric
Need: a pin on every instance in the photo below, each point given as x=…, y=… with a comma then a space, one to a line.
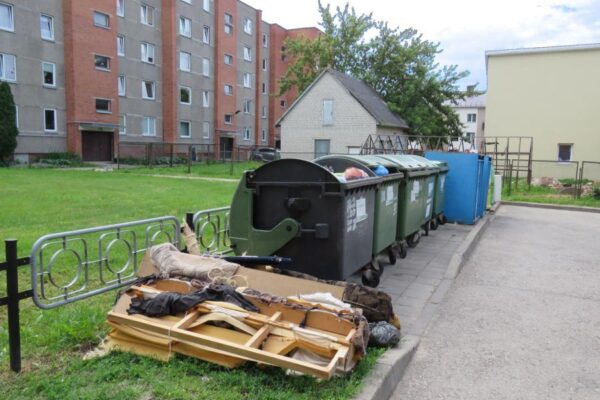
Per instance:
x=172, y=303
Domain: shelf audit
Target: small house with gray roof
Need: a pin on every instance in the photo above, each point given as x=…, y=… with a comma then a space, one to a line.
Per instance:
x=335, y=115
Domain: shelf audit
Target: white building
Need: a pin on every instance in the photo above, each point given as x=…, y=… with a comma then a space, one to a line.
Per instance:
x=471, y=113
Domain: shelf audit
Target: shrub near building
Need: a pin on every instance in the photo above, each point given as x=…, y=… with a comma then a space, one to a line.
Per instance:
x=8, y=126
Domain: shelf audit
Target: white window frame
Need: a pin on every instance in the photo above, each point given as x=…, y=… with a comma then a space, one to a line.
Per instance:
x=206, y=67
x=246, y=133
x=264, y=64
x=55, y=120
x=144, y=8
x=228, y=90
x=206, y=34
x=122, y=85
x=228, y=57
x=328, y=113
x=109, y=111
x=149, y=119
x=264, y=136
x=124, y=125
x=265, y=40
x=185, y=26
x=228, y=23
x=247, y=80
x=469, y=117
x=189, y=125
x=205, y=130
x=121, y=45
x=247, y=54
x=263, y=113
x=144, y=50
x=189, y=90
x=230, y=119
x=145, y=92
x=106, y=17
x=11, y=25
x=247, y=106
x=570, y=153
x=182, y=56
x=120, y=8
x=102, y=68
x=51, y=18
x=53, y=65
x=205, y=99
x=248, y=26
x=264, y=88
x=206, y=5
x=3, y=68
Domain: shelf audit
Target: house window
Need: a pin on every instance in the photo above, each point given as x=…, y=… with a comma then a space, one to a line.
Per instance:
x=50, y=120
x=228, y=90
x=247, y=106
x=206, y=130
x=185, y=129
x=264, y=88
x=248, y=26
x=247, y=54
x=47, y=27
x=121, y=8
x=148, y=90
x=263, y=113
x=147, y=15
x=147, y=52
x=102, y=62
x=228, y=23
x=564, y=151
x=101, y=20
x=206, y=35
x=148, y=126
x=265, y=40
x=264, y=135
x=48, y=74
x=471, y=117
x=205, y=99
x=122, y=124
x=185, y=27
x=247, y=80
x=228, y=59
x=7, y=21
x=283, y=55
x=327, y=112
x=282, y=103
x=246, y=133
x=228, y=119
x=121, y=45
x=205, y=67
x=185, y=61
x=321, y=147
x=206, y=5
x=264, y=64
x=122, y=85
x=103, y=106
x=185, y=95
x=8, y=67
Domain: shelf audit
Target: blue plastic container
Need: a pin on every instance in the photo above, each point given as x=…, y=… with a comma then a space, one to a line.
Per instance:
x=467, y=185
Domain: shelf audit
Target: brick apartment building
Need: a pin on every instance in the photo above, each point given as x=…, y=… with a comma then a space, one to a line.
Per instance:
x=87, y=74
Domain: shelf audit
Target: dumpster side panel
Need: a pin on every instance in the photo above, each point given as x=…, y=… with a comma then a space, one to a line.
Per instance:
x=386, y=211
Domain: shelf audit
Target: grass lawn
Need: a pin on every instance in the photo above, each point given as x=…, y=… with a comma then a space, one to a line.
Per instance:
x=35, y=202
x=540, y=194
x=214, y=170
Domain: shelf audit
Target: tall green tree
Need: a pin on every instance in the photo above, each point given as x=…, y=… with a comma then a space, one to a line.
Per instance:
x=399, y=64
x=8, y=126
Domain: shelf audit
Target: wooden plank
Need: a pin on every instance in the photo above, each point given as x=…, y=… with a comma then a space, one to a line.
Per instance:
x=220, y=317
x=262, y=333
x=279, y=345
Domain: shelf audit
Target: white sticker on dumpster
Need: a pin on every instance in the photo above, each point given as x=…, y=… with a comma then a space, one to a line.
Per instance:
x=361, y=209
x=416, y=189
x=428, y=210
x=430, y=189
x=389, y=196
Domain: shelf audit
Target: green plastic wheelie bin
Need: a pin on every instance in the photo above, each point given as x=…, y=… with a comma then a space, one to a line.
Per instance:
x=440, y=195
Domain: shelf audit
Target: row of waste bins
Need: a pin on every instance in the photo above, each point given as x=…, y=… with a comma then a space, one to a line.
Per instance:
x=335, y=215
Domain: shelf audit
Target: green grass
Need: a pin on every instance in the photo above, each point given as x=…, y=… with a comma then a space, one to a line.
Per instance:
x=540, y=194
x=214, y=170
x=35, y=202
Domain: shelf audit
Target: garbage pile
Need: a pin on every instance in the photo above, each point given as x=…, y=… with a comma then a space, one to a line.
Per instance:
x=214, y=310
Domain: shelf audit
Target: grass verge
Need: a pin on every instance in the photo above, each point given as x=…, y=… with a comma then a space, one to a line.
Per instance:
x=214, y=170
x=540, y=194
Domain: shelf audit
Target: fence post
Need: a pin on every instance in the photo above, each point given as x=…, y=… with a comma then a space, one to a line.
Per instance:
x=231, y=160
x=171, y=155
x=12, y=289
x=189, y=163
x=150, y=155
x=189, y=220
x=510, y=174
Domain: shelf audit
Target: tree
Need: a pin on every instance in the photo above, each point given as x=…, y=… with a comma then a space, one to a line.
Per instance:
x=399, y=64
x=8, y=126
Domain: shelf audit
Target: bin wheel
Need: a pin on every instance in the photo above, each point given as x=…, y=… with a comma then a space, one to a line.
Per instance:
x=413, y=240
x=403, y=250
x=426, y=229
x=370, y=278
x=391, y=255
x=434, y=224
x=442, y=219
x=376, y=266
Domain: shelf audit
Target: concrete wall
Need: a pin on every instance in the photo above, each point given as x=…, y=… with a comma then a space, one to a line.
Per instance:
x=352, y=124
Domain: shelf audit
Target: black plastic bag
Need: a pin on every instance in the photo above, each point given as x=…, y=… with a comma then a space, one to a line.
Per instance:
x=383, y=334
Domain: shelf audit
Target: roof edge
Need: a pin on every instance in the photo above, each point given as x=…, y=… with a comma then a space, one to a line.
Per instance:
x=546, y=49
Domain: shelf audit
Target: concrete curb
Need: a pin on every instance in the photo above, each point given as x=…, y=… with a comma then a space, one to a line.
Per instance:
x=552, y=206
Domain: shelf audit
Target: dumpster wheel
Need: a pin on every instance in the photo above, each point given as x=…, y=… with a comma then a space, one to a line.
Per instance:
x=413, y=240
x=434, y=224
x=403, y=250
x=391, y=255
x=426, y=228
x=442, y=219
x=370, y=277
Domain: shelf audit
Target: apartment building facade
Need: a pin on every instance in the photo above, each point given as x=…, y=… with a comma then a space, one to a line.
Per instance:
x=88, y=74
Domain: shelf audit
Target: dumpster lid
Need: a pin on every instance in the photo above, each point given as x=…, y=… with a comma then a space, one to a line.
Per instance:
x=367, y=163
x=442, y=165
x=407, y=162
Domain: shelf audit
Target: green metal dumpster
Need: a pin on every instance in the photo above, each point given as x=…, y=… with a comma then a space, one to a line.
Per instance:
x=386, y=198
x=440, y=194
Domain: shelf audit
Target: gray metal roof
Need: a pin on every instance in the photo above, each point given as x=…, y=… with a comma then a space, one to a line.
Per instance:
x=469, y=102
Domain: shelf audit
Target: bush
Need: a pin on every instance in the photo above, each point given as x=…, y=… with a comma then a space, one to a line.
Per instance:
x=8, y=126
x=66, y=159
x=573, y=181
x=596, y=192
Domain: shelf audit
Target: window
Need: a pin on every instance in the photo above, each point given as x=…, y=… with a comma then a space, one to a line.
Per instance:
x=283, y=55
x=265, y=40
x=564, y=151
x=246, y=133
x=205, y=99
x=185, y=129
x=8, y=67
x=247, y=54
x=185, y=27
x=206, y=130
x=264, y=135
x=185, y=95
x=228, y=119
x=48, y=74
x=147, y=16
x=228, y=90
x=228, y=23
x=121, y=45
x=321, y=147
x=122, y=85
x=121, y=8
x=228, y=59
x=7, y=22
x=148, y=90
x=103, y=106
x=102, y=62
x=263, y=113
x=327, y=112
x=148, y=53
x=264, y=64
x=148, y=126
x=206, y=34
x=185, y=61
x=247, y=106
x=122, y=124
x=247, y=80
x=205, y=67
x=471, y=117
x=50, y=120
x=206, y=5
x=248, y=26
x=101, y=20
x=264, y=88
x=47, y=27
x=282, y=103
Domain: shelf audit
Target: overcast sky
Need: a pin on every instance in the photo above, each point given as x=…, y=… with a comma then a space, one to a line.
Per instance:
x=465, y=28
